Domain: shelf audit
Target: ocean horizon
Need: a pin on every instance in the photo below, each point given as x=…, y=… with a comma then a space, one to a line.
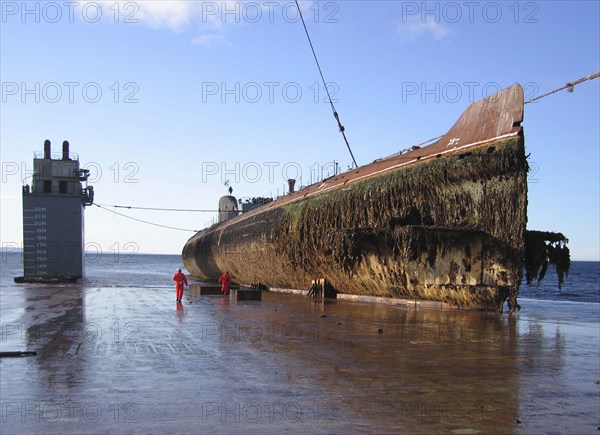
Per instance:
x=582, y=284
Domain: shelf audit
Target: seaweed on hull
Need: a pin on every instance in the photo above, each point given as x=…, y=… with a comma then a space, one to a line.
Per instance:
x=543, y=248
x=445, y=223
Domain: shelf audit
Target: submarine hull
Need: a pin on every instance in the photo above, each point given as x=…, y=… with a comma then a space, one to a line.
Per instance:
x=444, y=222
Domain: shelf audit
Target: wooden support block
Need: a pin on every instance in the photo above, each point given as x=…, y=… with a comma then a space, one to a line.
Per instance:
x=248, y=295
x=204, y=289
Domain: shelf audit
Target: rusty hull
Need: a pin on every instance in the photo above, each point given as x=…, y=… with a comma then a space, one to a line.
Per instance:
x=444, y=222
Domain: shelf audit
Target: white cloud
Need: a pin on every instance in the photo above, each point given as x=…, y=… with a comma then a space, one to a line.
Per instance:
x=207, y=20
x=174, y=15
x=415, y=28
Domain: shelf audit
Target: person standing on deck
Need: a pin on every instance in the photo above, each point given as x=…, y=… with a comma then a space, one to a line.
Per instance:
x=225, y=281
x=180, y=280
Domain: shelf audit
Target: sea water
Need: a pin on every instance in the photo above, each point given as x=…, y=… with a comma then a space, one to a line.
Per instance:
x=582, y=284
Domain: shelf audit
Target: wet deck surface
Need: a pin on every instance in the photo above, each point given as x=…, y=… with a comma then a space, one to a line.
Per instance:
x=130, y=360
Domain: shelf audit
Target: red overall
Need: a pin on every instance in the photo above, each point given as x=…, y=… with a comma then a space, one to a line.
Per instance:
x=180, y=280
x=225, y=280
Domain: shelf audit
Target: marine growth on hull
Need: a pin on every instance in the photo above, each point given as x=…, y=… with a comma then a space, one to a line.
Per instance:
x=443, y=223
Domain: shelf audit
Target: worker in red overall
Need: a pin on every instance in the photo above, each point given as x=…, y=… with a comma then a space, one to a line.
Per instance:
x=180, y=280
x=225, y=281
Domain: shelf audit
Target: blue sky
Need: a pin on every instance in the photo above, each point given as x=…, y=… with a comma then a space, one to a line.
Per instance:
x=165, y=101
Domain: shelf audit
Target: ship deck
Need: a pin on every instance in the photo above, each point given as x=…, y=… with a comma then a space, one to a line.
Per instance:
x=128, y=360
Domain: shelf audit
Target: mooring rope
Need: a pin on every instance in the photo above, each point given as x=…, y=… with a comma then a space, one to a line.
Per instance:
x=144, y=221
x=131, y=207
x=568, y=86
x=335, y=114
